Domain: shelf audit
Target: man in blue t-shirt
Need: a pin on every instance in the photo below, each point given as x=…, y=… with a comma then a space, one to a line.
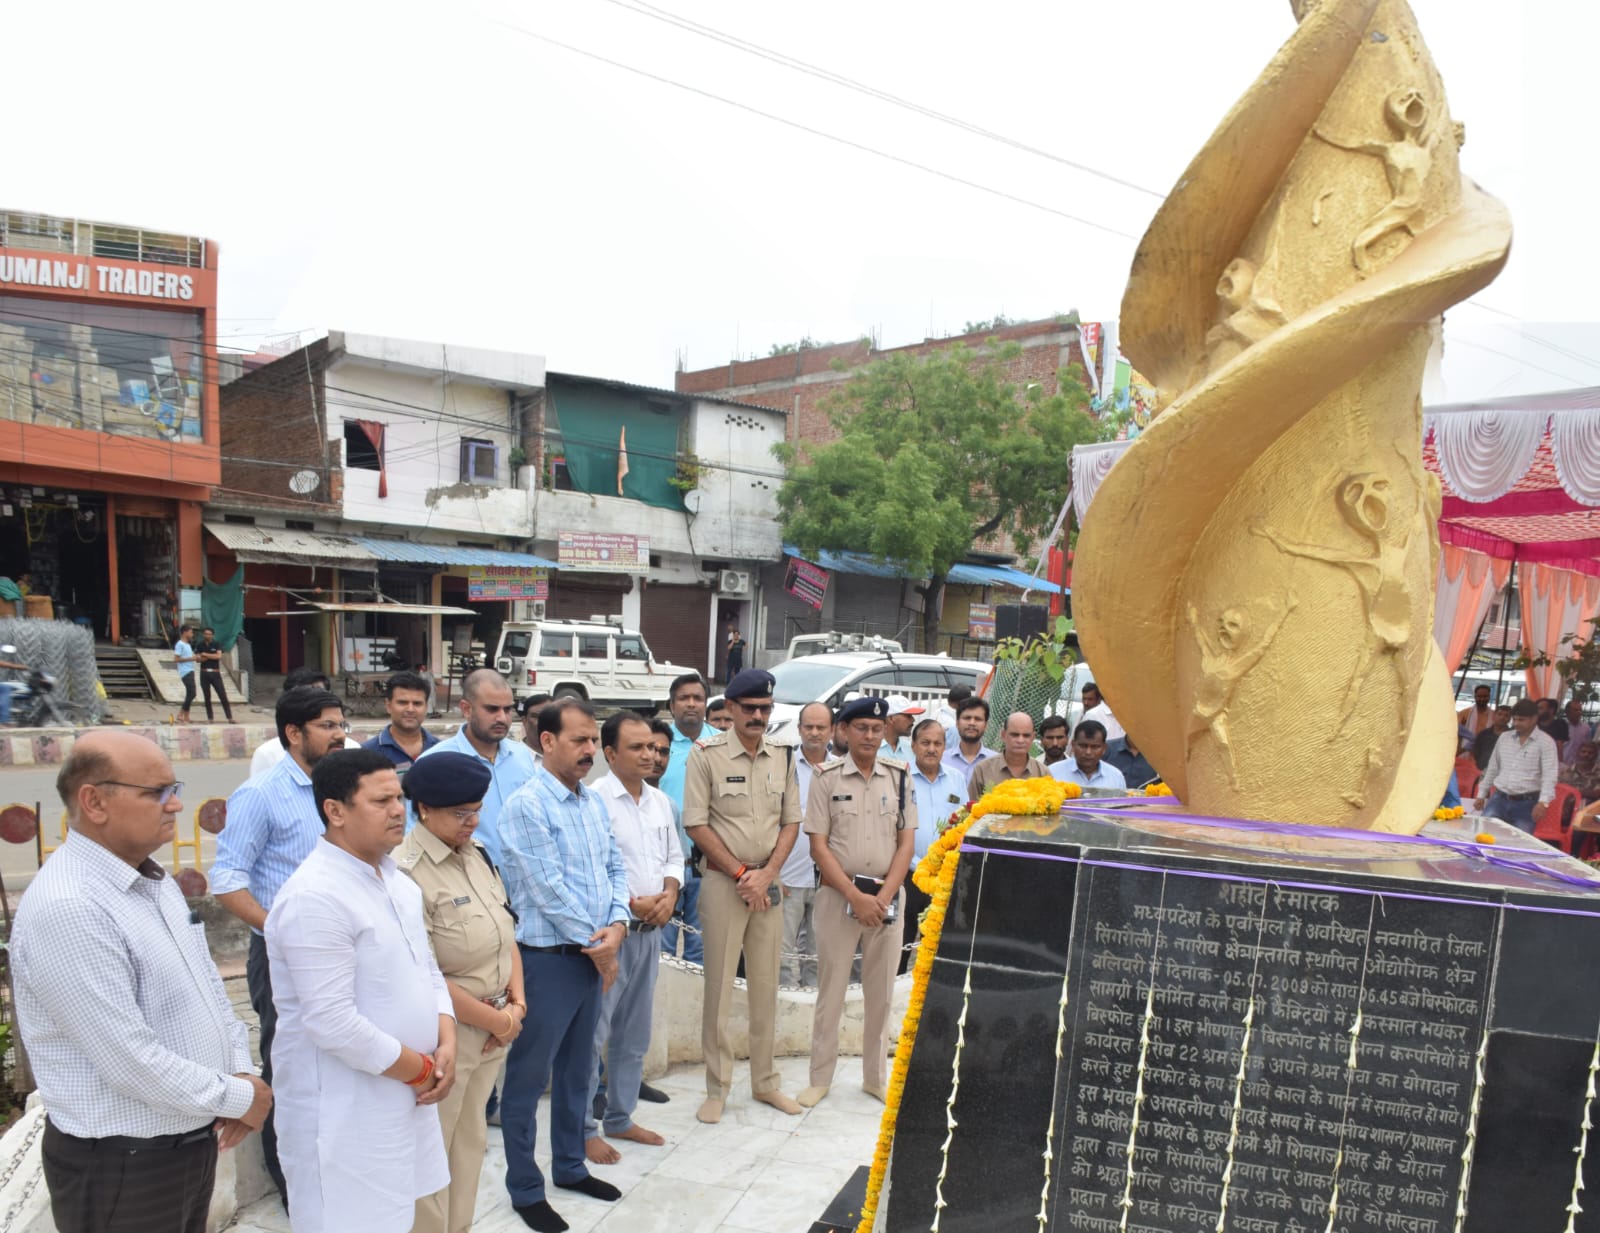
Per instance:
x=183, y=652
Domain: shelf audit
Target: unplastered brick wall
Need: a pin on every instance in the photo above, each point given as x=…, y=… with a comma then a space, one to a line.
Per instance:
x=800, y=383
x=272, y=426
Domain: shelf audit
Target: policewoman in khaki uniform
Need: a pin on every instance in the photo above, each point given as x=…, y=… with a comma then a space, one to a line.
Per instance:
x=861, y=819
x=741, y=806
x=474, y=939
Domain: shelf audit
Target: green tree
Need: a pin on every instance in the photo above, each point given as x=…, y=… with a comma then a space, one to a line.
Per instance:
x=935, y=453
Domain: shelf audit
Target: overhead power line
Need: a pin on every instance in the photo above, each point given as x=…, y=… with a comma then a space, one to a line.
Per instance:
x=815, y=132
x=644, y=9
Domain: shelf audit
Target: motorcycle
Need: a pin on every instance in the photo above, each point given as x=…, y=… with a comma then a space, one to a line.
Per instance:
x=33, y=702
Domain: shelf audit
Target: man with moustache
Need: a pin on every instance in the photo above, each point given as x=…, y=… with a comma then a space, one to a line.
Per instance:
x=741, y=805
x=972, y=719
x=569, y=888
x=273, y=825
x=530, y=708
x=487, y=709
x=1016, y=762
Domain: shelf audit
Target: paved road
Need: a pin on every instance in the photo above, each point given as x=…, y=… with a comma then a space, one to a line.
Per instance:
x=32, y=787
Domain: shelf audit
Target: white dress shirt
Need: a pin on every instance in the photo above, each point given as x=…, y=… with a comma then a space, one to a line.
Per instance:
x=799, y=870
x=354, y=979
x=120, y=1007
x=1102, y=714
x=645, y=833
x=270, y=753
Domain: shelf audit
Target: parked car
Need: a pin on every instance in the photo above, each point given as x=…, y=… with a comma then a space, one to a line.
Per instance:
x=831, y=678
x=835, y=643
x=1071, y=704
x=595, y=659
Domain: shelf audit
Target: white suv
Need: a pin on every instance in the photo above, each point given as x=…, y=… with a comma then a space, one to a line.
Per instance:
x=595, y=659
x=830, y=678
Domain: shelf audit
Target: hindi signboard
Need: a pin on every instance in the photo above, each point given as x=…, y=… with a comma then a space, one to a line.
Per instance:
x=980, y=622
x=507, y=582
x=806, y=582
x=603, y=552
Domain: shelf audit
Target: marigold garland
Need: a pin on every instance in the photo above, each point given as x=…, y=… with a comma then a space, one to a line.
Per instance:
x=1157, y=789
x=934, y=876
x=1450, y=814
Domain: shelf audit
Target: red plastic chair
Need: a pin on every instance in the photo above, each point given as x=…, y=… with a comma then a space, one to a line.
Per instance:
x=1554, y=825
x=1467, y=776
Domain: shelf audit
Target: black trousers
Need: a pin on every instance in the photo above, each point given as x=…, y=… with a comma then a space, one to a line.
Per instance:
x=98, y=1187
x=188, y=692
x=208, y=682
x=916, y=904
x=258, y=977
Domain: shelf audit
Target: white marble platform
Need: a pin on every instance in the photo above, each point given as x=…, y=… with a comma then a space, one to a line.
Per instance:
x=757, y=1171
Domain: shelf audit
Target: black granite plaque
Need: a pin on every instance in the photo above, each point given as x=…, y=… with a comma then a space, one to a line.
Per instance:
x=1281, y=1046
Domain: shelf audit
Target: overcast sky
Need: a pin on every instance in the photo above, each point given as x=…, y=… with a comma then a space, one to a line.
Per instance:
x=438, y=172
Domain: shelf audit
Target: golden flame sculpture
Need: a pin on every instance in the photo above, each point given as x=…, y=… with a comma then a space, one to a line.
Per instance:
x=1254, y=583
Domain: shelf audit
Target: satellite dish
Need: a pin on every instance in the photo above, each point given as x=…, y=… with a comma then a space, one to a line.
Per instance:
x=304, y=481
x=692, y=499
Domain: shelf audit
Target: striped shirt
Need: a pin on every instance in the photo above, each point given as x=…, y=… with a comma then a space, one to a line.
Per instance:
x=512, y=767
x=273, y=824
x=120, y=1007
x=1517, y=767
x=561, y=864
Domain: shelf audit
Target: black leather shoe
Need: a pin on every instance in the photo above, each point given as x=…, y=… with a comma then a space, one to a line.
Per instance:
x=653, y=1095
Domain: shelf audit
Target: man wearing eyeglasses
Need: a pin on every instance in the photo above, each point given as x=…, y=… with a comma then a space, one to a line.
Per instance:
x=488, y=709
x=273, y=825
x=741, y=804
x=143, y=1067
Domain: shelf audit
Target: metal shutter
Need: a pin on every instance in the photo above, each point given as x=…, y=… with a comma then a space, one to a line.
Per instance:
x=677, y=624
x=575, y=600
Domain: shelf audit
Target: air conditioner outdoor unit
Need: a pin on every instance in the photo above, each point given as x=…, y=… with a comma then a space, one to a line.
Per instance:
x=734, y=582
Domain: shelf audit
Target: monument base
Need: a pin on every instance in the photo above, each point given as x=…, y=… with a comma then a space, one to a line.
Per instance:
x=1267, y=1030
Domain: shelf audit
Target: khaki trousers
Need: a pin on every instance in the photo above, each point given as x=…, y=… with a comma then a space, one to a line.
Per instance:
x=462, y=1118
x=729, y=927
x=838, y=935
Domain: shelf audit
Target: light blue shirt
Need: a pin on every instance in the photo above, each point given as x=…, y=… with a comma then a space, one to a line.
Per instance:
x=900, y=752
x=937, y=799
x=957, y=762
x=1105, y=775
x=273, y=825
x=672, y=785
x=563, y=870
x=512, y=767
x=184, y=651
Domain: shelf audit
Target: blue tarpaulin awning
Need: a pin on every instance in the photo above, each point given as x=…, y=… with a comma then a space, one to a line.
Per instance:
x=964, y=574
x=402, y=551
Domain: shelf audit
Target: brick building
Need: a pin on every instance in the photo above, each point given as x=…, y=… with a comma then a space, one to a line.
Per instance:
x=798, y=383
x=866, y=599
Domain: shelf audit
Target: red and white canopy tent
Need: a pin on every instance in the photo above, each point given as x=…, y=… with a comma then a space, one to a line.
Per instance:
x=1521, y=480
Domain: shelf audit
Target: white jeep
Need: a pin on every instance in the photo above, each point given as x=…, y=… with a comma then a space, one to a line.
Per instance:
x=595, y=659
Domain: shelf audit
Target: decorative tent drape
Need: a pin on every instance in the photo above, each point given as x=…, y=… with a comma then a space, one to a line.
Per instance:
x=373, y=431
x=1482, y=454
x=1090, y=465
x=1555, y=603
x=1468, y=581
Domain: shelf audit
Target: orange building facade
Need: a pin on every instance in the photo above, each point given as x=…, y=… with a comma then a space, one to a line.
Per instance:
x=109, y=436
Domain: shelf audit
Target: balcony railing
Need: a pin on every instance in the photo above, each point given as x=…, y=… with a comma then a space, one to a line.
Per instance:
x=47, y=233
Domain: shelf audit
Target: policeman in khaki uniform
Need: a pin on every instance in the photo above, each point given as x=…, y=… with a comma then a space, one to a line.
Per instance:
x=473, y=935
x=862, y=821
x=741, y=807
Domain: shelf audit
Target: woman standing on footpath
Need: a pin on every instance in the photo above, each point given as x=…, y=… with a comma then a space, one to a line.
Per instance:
x=473, y=935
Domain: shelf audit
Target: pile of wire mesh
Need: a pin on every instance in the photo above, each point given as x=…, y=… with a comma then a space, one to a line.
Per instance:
x=1020, y=685
x=66, y=652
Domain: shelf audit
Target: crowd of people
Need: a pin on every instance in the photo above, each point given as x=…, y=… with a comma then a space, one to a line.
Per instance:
x=1524, y=751
x=443, y=929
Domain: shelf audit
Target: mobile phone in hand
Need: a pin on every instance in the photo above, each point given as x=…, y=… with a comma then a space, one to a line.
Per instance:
x=775, y=894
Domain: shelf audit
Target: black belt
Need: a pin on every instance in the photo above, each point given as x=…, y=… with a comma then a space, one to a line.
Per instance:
x=638, y=926
x=566, y=948
x=1520, y=796
x=127, y=1143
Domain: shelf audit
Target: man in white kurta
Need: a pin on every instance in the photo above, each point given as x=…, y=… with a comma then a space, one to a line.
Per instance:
x=366, y=1043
